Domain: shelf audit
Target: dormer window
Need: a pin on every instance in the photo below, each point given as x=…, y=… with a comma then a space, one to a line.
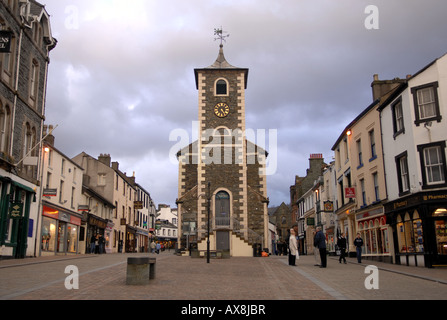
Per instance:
x=221, y=87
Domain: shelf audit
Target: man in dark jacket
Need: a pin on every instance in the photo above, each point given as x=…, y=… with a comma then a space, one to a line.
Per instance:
x=358, y=242
x=320, y=243
x=341, y=243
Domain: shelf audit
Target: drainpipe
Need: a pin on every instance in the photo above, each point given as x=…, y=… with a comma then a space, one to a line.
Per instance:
x=16, y=89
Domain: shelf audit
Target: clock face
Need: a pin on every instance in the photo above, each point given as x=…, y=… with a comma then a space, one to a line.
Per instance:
x=221, y=110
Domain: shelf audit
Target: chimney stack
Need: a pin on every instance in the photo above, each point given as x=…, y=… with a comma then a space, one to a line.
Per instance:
x=105, y=159
x=382, y=87
x=50, y=138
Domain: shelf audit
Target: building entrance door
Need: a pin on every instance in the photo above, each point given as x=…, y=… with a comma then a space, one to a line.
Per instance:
x=223, y=240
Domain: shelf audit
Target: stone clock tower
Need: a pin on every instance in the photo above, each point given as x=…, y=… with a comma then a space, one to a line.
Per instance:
x=222, y=174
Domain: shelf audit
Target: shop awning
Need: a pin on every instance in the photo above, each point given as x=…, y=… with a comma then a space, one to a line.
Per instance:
x=21, y=186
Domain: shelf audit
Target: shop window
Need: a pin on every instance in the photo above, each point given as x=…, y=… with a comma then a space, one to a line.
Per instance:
x=385, y=241
x=441, y=231
x=367, y=240
x=384, y=244
x=48, y=234
x=441, y=236
x=410, y=235
x=61, y=237
x=72, y=238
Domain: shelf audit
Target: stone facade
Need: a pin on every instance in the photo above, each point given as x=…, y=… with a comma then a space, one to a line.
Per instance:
x=23, y=80
x=224, y=168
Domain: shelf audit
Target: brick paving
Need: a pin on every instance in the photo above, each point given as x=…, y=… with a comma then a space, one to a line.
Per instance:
x=238, y=278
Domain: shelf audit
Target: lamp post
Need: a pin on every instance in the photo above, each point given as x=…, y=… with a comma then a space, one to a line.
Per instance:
x=208, y=240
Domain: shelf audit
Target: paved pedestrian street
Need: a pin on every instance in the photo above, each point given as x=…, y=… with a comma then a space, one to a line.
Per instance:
x=251, y=279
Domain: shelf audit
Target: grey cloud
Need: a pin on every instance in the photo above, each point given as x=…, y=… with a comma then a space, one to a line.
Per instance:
x=311, y=65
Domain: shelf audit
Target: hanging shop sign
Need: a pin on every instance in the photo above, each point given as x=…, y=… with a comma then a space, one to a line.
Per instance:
x=138, y=205
x=16, y=209
x=328, y=206
x=83, y=207
x=49, y=192
x=349, y=193
x=5, y=41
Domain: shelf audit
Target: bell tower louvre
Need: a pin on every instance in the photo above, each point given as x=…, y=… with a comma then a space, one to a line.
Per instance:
x=222, y=185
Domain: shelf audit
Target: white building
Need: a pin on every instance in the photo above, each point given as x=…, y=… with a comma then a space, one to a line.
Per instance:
x=166, y=225
x=307, y=219
x=414, y=128
x=165, y=212
x=59, y=221
x=145, y=218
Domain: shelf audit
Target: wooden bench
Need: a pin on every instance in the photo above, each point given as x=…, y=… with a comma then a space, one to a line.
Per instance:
x=140, y=270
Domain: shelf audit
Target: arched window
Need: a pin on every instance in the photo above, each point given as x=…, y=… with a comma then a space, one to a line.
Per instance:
x=221, y=87
x=5, y=124
x=26, y=140
x=222, y=208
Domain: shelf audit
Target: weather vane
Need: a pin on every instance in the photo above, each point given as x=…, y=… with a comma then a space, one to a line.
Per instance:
x=221, y=35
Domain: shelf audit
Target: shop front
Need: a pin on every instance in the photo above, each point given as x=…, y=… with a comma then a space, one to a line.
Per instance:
x=16, y=219
x=419, y=229
x=331, y=240
x=60, y=231
x=131, y=239
x=142, y=240
x=108, y=236
x=96, y=229
x=375, y=232
x=346, y=224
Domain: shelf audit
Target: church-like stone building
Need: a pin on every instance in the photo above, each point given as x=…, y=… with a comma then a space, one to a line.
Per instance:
x=222, y=173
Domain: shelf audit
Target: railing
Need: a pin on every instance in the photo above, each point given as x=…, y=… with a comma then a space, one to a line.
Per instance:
x=234, y=225
x=222, y=222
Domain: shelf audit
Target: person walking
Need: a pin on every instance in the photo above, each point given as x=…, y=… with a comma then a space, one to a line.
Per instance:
x=157, y=248
x=93, y=243
x=358, y=242
x=101, y=242
x=153, y=246
x=316, y=251
x=320, y=241
x=341, y=243
x=293, y=248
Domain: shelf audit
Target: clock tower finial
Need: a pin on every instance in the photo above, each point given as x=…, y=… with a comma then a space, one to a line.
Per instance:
x=220, y=35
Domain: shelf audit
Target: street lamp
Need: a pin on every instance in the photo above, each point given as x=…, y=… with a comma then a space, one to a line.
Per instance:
x=208, y=240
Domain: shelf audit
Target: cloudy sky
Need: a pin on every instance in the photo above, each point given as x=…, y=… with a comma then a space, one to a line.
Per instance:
x=121, y=79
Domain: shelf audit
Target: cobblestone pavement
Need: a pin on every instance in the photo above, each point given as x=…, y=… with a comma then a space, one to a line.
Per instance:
x=103, y=277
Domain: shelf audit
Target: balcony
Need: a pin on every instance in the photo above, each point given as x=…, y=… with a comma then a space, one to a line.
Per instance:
x=227, y=223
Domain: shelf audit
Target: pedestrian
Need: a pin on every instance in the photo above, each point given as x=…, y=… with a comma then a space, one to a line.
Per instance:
x=92, y=243
x=153, y=246
x=358, y=242
x=157, y=247
x=101, y=242
x=320, y=240
x=293, y=248
x=341, y=243
x=316, y=251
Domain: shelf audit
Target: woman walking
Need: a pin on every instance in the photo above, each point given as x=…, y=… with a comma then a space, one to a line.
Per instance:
x=293, y=248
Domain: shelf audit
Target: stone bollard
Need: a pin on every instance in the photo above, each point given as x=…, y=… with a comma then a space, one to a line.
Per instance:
x=152, y=268
x=138, y=271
